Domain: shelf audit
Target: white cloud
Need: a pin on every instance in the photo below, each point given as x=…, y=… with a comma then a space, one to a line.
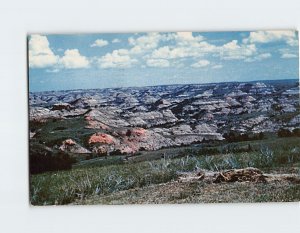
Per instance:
x=289, y=37
x=232, y=45
x=187, y=38
x=99, y=43
x=259, y=57
x=184, y=45
x=116, y=59
x=198, y=48
x=194, y=49
x=52, y=70
x=40, y=54
x=288, y=55
x=185, y=35
x=233, y=51
x=116, y=40
x=158, y=63
x=72, y=59
x=292, y=42
x=200, y=64
x=152, y=50
x=146, y=42
x=169, y=53
x=193, y=45
x=217, y=67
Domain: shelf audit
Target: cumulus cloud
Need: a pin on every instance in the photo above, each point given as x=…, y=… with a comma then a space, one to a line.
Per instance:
x=161, y=50
x=185, y=35
x=158, y=63
x=99, y=43
x=40, y=54
x=185, y=45
x=170, y=53
x=72, y=59
x=288, y=55
x=232, y=50
x=195, y=49
x=198, y=48
x=289, y=37
x=259, y=57
x=146, y=42
x=232, y=45
x=116, y=59
x=186, y=38
x=116, y=40
x=200, y=64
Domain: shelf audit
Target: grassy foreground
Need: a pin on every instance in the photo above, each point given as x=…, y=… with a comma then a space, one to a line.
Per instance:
x=155, y=181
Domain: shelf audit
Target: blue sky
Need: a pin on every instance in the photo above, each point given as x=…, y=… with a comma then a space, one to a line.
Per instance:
x=81, y=61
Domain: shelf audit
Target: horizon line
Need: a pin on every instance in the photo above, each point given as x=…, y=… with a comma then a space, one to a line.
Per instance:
x=175, y=84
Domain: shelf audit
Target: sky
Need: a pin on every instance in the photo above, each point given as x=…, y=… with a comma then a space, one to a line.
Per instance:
x=107, y=60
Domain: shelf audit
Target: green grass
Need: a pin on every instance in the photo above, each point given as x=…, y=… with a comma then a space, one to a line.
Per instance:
x=101, y=178
x=65, y=186
x=54, y=132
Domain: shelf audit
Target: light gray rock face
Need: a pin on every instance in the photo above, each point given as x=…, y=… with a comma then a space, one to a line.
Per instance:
x=254, y=121
x=150, y=118
x=205, y=129
x=288, y=108
x=43, y=114
x=295, y=120
x=109, y=116
x=71, y=146
x=292, y=91
x=181, y=130
x=262, y=89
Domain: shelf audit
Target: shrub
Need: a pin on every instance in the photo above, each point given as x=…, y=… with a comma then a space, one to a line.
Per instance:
x=43, y=160
x=284, y=133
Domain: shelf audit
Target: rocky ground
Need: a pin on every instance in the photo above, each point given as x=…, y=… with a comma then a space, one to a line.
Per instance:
x=242, y=185
x=128, y=120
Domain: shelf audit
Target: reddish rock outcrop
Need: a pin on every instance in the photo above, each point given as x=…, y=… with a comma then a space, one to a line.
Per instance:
x=69, y=142
x=101, y=138
x=138, y=132
x=71, y=146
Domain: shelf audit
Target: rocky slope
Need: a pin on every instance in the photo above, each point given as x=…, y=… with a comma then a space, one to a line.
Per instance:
x=127, y=120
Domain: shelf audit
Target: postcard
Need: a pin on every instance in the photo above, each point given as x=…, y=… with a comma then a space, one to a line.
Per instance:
x=164, y=117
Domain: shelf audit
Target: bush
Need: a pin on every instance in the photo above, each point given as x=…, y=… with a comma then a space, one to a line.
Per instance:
x=296, y=132
x=233, y=136
x=42, y=160
x=284, y=133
